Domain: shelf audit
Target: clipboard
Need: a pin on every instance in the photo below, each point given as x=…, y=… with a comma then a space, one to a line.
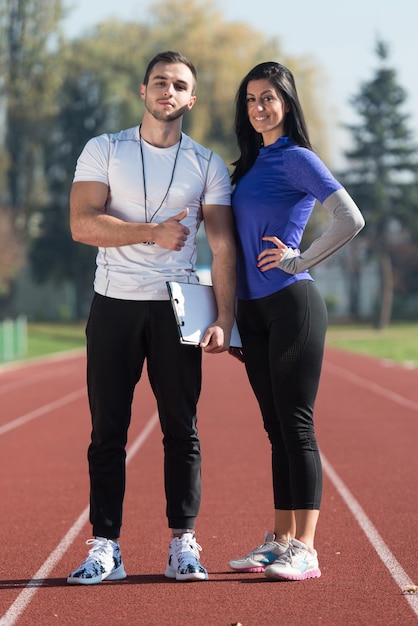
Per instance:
x=194, y=307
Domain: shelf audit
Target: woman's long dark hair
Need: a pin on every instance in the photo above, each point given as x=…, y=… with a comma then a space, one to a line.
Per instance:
x=249, y=141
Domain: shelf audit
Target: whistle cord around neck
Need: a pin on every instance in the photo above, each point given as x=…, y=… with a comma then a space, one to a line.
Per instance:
x=147, y=221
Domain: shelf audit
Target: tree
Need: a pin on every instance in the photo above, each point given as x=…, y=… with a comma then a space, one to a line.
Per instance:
x=383, y=174
x=12, y=253
x=28, y=86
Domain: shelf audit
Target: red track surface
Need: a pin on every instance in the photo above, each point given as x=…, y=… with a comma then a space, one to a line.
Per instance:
x=367, y=425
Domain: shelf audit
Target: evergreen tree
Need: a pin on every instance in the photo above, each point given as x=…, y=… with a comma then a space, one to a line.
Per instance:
x=383, y=175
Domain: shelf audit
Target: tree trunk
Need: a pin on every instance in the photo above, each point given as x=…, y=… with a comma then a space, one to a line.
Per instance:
x=384, y=311
x=354, y=294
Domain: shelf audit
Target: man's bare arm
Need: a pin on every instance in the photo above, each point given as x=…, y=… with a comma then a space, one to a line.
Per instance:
x=90, y=224
x=219, y=226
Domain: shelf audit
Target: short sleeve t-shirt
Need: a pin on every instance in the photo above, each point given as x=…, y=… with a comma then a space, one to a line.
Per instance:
x=140, y=272
x=275, y=198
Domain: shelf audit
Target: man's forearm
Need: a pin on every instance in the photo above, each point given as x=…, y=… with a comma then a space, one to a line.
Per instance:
x=224, y=285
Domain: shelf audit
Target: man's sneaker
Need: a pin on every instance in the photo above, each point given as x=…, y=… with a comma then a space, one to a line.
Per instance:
x=183, y=559
x=297, y=563
x=104, y=562
x=261, y=557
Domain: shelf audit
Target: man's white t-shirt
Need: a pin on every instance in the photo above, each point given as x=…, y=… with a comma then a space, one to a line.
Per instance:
x=140, y=271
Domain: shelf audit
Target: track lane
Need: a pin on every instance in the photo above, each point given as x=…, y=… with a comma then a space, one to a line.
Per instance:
x=236, y=509
x=368, y=429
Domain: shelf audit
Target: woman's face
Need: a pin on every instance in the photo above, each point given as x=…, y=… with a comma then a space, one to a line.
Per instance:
x=266, y=109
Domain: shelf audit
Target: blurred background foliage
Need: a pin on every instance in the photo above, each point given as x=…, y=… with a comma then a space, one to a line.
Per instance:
x=56, y=93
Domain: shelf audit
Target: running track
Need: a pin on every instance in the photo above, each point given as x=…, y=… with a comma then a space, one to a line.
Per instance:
x=367, y=425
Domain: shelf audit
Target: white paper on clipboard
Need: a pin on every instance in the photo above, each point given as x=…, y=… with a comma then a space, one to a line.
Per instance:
x=194, y=307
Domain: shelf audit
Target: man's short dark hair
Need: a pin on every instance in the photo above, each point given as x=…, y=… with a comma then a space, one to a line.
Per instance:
x=170, y=57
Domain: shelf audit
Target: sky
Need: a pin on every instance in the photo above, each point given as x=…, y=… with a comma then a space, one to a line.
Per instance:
x=339, y=36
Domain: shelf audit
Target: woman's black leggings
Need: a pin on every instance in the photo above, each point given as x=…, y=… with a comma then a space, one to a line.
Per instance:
x=283, y=339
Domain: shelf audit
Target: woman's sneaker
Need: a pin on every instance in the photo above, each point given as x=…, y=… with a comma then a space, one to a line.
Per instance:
x=183, y=559
x=297, y=563
x=104, y=562
x=261, y=557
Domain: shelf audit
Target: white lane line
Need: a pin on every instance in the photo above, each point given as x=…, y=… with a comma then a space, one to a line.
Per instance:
x=24, y=598
x=371, y=386
x=388, y=559
x=64, y=371
x=46, y=408
x=40, y=360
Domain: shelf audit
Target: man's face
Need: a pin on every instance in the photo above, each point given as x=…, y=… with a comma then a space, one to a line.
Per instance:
x=169, y=92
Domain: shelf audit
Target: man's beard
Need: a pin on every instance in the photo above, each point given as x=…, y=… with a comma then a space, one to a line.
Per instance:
x=162, y=116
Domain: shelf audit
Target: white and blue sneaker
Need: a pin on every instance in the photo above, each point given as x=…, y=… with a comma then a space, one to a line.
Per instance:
x=104, y=562
x=297, y=563
x=183, y=559
x=261, y=557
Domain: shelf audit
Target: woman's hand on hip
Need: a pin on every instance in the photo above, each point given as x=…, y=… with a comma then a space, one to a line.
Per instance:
x=270, y=257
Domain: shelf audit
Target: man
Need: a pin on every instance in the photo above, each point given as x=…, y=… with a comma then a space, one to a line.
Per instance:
x=139, y=196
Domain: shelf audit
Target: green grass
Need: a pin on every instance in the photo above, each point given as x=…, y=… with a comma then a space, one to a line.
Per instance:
x=46, y=339
x=398, y=342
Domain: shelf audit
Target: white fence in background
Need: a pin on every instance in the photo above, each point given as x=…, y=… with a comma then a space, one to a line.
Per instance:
x=13, y=338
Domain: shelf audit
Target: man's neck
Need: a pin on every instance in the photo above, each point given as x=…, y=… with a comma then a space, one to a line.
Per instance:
x=159, y=134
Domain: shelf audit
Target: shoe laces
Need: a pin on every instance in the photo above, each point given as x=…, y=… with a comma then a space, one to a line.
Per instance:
x=292, y=552
x=99, y=551
x=187, y=549
x=269, y=539
x=269, y=543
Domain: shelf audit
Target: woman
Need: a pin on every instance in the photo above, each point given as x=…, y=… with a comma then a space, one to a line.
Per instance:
x=281, y=315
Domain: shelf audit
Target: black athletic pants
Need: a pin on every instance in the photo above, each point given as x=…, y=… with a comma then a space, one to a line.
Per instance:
x=283, y=339
x=121, y=334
